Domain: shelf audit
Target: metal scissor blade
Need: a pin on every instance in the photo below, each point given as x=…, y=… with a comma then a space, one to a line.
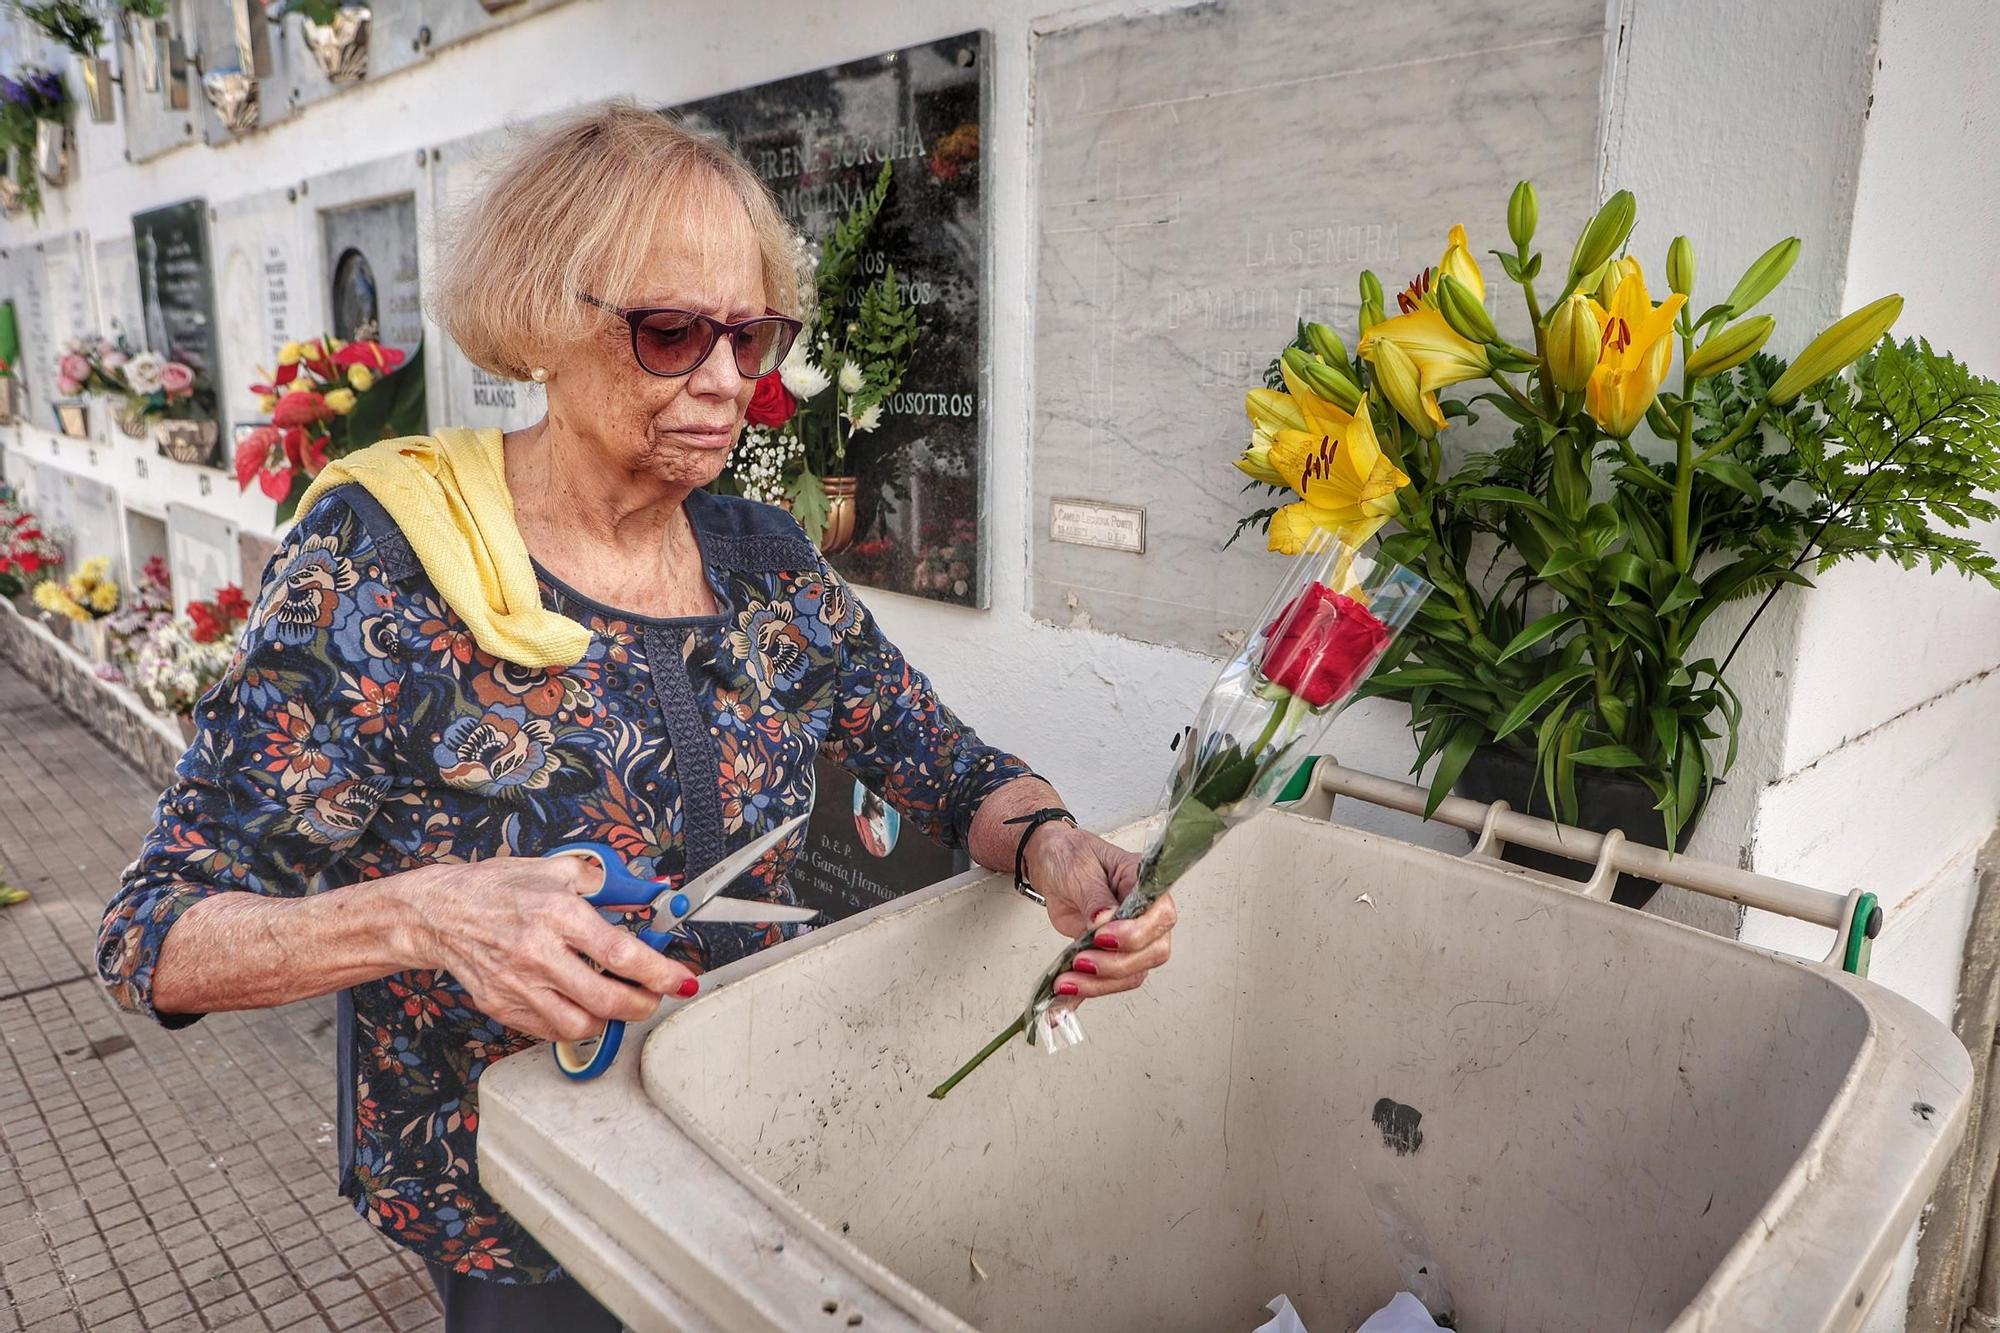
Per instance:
x=723, y=873
x=748, y=911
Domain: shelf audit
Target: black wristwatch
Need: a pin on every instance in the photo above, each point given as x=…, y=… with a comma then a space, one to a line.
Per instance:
x=1035, y=820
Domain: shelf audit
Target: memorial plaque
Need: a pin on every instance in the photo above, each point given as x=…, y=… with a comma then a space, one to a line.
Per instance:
x=95, y=521
x=177, y=289
x=24, y=280
x=474, y=397
x=819, y=140
x=1193, y=205
x=860, y=853
x=203, y=555
x=255, y=239
x=71, y=314
x=371, y=274
x=118, y=303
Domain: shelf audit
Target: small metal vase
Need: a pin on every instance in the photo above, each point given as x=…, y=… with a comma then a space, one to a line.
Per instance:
x=143, y=34
x=52, y=151
x=186, y=441
x=131, y=419
x=99, y=94
x=233, y=94
x=341, y=47
x=74, y=418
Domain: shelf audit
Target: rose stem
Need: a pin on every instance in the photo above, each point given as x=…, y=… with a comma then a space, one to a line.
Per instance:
x=1013, y=1031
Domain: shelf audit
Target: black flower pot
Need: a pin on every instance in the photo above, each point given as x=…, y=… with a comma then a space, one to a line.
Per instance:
x=1606, y=800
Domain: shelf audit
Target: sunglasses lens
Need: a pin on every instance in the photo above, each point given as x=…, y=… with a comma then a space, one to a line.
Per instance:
x=672, y=342
x=761, y=345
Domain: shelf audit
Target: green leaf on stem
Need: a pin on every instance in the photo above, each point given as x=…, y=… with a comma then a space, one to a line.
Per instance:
x=809, y=505
x=1533, y=700
x=1464, y=739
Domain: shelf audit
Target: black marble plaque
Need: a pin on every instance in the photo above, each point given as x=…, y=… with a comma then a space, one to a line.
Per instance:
x=819, y=140
x=177, y=289
x=859, y=851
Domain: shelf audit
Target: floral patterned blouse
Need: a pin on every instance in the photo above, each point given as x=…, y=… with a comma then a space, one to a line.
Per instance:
x=360, y=732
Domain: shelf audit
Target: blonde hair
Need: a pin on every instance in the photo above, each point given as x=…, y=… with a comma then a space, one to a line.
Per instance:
x=574, y=209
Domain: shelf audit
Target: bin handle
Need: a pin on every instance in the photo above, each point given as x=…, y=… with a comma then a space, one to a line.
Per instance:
x=1856, y=918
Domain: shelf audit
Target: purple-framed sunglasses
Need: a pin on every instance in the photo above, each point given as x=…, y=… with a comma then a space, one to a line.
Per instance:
x=670, y=343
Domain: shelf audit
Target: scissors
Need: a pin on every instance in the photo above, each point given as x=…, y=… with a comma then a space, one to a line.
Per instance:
x=674, y=902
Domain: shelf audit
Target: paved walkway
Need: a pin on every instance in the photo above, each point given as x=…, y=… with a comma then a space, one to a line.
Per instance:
x=148, y=1179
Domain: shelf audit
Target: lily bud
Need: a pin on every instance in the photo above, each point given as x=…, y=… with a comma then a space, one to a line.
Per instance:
x=1397, y=374
x=1371, y=315
x=1763, y=276
x=1371, y=288
x=1326, y=343
x=1463, y=311
x=1838, y=347
x=1605, y=234
x=1521, y=215
x=1324, y=380
x=1680, y=266
x=1615, y=272
x=1731, y=347
x=1574, y=336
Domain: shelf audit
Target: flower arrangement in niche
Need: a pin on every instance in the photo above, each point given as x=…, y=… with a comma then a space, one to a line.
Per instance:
x=1627, y=504
x=34, y=98
x=327, y=399
x=175, y=667
x=150, y=604
x=89, y=594
x=28, y=555
x=833, y=386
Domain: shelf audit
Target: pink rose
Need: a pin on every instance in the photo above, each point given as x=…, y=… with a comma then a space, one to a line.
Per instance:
x=176, y=379
x=68, y=388
x=73, y=368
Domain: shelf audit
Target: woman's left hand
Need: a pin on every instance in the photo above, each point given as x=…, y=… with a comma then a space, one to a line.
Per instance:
x=1084, y=878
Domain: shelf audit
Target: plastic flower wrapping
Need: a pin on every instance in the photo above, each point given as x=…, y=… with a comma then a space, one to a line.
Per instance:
x=1324, y=629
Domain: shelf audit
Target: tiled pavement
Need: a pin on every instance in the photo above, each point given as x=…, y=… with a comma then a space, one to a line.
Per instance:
x=148, y=1179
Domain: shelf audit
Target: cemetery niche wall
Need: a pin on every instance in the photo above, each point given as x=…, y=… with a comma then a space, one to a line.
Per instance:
x=819, y=140
x=177, y=303
x=1191, y=209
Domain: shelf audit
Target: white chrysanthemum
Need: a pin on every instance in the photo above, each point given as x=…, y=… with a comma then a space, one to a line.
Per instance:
x=142, y=372
x=802, y=379
x=870, y=419
x=850, y=377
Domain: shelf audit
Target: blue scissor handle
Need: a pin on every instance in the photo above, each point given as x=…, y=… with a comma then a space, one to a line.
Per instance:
x=586, y=1059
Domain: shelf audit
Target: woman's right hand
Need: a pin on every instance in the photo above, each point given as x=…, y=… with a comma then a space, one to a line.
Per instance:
x=515, y=932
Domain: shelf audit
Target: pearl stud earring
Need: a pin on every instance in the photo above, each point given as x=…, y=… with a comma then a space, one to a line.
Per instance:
x=540, y=375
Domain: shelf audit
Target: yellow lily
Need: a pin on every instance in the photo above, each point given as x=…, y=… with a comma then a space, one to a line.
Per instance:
x=1637, y=351
x=1441, y=356
x=1347, y=486
x=1460, y=264
x=1271, y=411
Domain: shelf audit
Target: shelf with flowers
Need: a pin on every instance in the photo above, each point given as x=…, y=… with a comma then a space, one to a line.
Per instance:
x=145, y=606
x=327, y=399
x=145, y=387
x=28, y=554
x=181, y=657
x=832, y=388
x=84, y=599
x=34, y=135
x=1563, y=664
x=77, y=27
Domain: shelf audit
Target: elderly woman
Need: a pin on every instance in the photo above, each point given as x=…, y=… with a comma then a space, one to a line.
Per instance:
x=401, y=734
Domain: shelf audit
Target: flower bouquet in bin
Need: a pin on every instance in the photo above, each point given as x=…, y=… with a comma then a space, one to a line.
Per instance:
x=1322, y=632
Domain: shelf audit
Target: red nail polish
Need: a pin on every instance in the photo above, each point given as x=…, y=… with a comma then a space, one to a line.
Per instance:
x=689, y=987
x=1066, y=988
x=1107, y=942
x=1085, y=965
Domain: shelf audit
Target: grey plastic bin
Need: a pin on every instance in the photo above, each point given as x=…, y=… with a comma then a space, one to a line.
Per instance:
x=1370, y=1066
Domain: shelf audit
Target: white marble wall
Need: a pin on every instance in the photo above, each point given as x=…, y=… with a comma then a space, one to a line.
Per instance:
x=1208, y=176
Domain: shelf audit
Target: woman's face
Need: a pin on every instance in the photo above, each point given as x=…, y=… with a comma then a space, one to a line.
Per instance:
x=678, y=431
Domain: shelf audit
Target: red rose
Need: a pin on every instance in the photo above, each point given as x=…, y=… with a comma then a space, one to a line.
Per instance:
x=772, y=405
x=1322, y=645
